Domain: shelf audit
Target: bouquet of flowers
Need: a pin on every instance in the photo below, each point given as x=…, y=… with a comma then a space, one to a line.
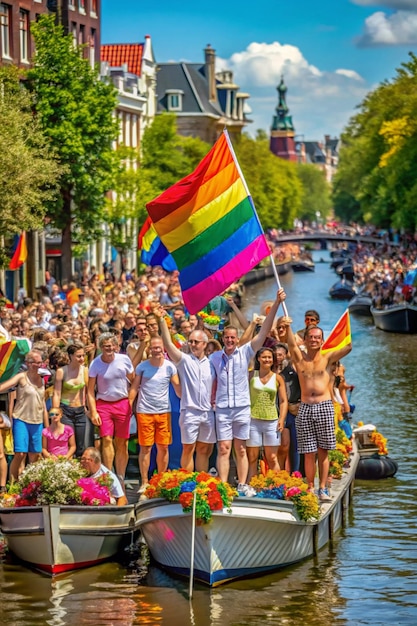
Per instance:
x=283, y=486
x=210, y=320
x=180, y=485
x=56, y=481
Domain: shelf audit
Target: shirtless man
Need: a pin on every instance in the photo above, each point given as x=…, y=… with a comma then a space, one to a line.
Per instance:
x=315, y=418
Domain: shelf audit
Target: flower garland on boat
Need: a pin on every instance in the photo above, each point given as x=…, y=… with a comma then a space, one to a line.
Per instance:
x=379, y=441
x=283, y=486
x=180, y=485
x=339, y=457
x=57, y=481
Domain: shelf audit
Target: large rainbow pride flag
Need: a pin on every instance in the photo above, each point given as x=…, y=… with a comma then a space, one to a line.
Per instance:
x=208, y=222
x=12, y=355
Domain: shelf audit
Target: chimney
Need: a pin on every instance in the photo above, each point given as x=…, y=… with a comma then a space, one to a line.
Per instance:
x=210, y=59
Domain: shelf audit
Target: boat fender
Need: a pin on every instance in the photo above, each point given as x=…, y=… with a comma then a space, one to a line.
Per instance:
x=375, y=467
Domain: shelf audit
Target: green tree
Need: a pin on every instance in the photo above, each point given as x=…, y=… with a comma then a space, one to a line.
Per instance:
x=75, y=110
x=377, y=176
x=273, y=182
x=316, y=196
x=29, y=172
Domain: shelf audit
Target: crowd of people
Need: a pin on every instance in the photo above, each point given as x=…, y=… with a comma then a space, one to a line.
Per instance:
x=105, y=353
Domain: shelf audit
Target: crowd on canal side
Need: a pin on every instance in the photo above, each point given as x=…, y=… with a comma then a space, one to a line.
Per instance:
x=104, y=351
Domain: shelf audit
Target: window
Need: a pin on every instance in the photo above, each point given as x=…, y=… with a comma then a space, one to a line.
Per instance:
x=24, y=35
x=81, y=6
x=5, y=15
x=174, y=99
x=74, y=33
x=93, y=47
x=93, y=7
x=81, y=35
x=71, y=5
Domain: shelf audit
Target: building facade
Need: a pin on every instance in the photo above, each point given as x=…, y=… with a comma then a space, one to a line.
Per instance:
x=203, y=100
x=81, y=18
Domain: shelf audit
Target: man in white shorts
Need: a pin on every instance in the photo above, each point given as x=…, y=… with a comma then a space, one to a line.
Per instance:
x=196, y=412
x=230, y=368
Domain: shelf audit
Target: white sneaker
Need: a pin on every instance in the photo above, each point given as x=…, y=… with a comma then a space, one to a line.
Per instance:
x=142, y=488
x=246, y=490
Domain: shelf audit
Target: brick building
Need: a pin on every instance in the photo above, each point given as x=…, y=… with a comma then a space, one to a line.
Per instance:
x=81, y=18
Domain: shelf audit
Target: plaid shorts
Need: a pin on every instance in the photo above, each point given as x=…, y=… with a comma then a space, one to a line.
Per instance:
x=315, y=427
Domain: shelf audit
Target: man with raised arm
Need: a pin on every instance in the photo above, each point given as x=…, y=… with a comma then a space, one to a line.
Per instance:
x=196, y=413
x=315, y=418
x=233, y=413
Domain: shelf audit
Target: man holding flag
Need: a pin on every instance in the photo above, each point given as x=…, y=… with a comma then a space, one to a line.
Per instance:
x=315, y=418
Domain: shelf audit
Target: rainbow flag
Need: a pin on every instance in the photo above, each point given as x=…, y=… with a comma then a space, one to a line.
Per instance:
x=20, y=253
x=153, y=251
x=340, y=336
x=208, y=222
x=12, y=355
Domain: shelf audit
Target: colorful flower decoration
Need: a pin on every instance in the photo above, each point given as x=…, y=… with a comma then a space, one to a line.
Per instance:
x=381, y=442
x=56, y=481
x=283, y=486
x=180, y=486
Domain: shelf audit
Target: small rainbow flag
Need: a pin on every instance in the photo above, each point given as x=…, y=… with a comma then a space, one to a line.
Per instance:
x=153, y=251
x=340, y=336
x=20, y=253
x=12, y=355
x=208, y=222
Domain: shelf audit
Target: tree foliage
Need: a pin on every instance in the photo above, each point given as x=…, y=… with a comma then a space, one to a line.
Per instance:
x=75, y=111
x=316, y=196
x=273, y=182
x=377, y=176
x=28, y=169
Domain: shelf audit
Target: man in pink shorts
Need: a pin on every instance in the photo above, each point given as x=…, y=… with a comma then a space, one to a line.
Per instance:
x=108, y=390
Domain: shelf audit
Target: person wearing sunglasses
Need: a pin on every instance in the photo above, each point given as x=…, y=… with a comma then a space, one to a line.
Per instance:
x=311, y=318
x=58, y=439
x=29, y=412
x=197, y=425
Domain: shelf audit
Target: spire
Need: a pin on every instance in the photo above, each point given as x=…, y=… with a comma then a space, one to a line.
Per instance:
x=282, y=121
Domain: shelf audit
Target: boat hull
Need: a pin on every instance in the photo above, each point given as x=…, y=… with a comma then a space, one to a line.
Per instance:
x=342, y=290
x=256, y=536
x=401, y=318
x=302, y=266
x=360, y=305
x=57, y=539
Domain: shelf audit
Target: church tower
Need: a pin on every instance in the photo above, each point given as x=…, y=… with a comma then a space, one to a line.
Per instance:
x=282, y=142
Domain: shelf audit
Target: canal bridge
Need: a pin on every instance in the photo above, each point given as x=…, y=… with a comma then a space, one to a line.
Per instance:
x=324, y=237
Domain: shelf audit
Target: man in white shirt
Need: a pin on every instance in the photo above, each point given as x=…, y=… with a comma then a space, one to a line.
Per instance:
x=91, y=462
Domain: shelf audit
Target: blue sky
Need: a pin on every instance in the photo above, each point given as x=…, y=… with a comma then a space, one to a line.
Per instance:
x=331, y=52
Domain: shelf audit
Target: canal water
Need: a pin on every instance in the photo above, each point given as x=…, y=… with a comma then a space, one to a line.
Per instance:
x=368, y=575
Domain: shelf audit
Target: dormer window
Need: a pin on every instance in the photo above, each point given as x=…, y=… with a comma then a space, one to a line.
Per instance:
x=174, y=99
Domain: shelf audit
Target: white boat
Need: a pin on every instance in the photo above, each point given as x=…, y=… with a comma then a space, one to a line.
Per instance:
x=57, y=539
x=259, y=535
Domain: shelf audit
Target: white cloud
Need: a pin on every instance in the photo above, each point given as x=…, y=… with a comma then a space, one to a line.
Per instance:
x=320, y=102
x=382, y=29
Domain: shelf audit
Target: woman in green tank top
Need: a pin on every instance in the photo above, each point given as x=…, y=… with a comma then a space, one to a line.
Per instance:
x=70, y=395
x=266, y=427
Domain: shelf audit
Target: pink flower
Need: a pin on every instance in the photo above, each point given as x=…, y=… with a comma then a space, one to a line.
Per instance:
x=297, y=474
x=293, y=491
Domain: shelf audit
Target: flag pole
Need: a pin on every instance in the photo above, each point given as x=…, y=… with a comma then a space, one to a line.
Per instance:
x=229, y=143
x=190, y=587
